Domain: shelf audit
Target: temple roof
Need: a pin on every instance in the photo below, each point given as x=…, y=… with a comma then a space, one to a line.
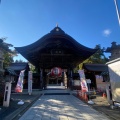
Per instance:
x=96, y=67
x=19, y=66
x=55, y=49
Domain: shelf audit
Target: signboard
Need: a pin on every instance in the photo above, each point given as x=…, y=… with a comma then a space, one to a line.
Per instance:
x=76, y=82
x=30, y=82
x=88, y=81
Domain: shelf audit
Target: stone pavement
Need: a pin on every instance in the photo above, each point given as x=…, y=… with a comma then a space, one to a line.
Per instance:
x=61, y=105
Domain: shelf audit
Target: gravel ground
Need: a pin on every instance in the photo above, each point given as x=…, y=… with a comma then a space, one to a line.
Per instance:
x=14, y=109
x=101, y=105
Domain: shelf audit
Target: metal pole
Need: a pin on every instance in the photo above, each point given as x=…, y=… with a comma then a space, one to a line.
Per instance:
x=117, y=10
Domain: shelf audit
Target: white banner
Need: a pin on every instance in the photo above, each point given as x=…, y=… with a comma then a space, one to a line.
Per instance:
x=19, y=86
x=83, y=80
x=81, y=74
x=84, y=85
x=30, y=82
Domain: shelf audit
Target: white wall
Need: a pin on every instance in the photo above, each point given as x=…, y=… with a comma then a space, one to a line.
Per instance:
x=114, y=72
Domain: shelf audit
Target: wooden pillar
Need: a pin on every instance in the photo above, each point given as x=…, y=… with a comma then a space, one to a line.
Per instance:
x=70, y=78
x=41, y=79
x=68, y=81
x=47, y=79
x=44, y=79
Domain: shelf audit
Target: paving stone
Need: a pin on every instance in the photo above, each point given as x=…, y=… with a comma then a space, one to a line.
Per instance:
x=62, y=107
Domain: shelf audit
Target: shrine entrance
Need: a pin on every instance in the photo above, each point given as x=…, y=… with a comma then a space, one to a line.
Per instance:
x=55, y=81
x=55, y=50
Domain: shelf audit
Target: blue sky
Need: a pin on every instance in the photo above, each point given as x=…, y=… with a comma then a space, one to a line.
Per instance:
x=90, y=22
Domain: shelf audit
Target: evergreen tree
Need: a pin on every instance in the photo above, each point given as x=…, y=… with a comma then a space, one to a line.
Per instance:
x=19, y=61
x=97, y=58
x=32, y=67
x=8, y=54
x=8, y=58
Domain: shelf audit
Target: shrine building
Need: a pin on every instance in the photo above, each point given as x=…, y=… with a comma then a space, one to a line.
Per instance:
x=55, y=55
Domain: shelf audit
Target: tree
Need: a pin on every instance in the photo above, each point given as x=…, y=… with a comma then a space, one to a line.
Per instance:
x=8, y=53
x=32, y=67
x=97, y=58
x=19, y=61
x=8, y=58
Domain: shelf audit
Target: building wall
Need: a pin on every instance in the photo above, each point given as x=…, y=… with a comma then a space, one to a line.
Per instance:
x=101, y=84
x=114, y=72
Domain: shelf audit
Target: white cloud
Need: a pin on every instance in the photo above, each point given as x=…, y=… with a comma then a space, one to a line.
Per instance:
x=106, y=32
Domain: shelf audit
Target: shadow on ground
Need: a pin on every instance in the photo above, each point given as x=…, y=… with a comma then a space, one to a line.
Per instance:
x=14, y=109
x=103, y=107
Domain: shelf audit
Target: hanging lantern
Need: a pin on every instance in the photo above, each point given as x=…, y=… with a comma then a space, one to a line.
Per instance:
x=56, y=71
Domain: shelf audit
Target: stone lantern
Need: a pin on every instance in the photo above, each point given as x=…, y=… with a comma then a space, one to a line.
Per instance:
x=9, y=78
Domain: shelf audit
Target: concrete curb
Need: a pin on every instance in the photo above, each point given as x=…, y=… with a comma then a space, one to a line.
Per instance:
x=20, y=111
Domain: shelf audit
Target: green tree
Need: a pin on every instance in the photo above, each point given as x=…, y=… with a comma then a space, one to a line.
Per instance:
x=19, y=61
x=8, y=58
x=8, y=53
x=97, y=58
x=32, y=67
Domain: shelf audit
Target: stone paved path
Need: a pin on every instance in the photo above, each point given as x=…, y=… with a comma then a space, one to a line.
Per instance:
x=61, y=107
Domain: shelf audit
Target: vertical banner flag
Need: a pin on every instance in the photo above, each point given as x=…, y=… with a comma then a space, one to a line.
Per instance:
x=83, y=81
x=81, y=74
x=30, y=82
x=19, y=86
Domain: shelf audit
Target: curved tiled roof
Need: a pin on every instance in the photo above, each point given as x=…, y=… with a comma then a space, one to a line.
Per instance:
x=19, y=66
x=56, y=39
